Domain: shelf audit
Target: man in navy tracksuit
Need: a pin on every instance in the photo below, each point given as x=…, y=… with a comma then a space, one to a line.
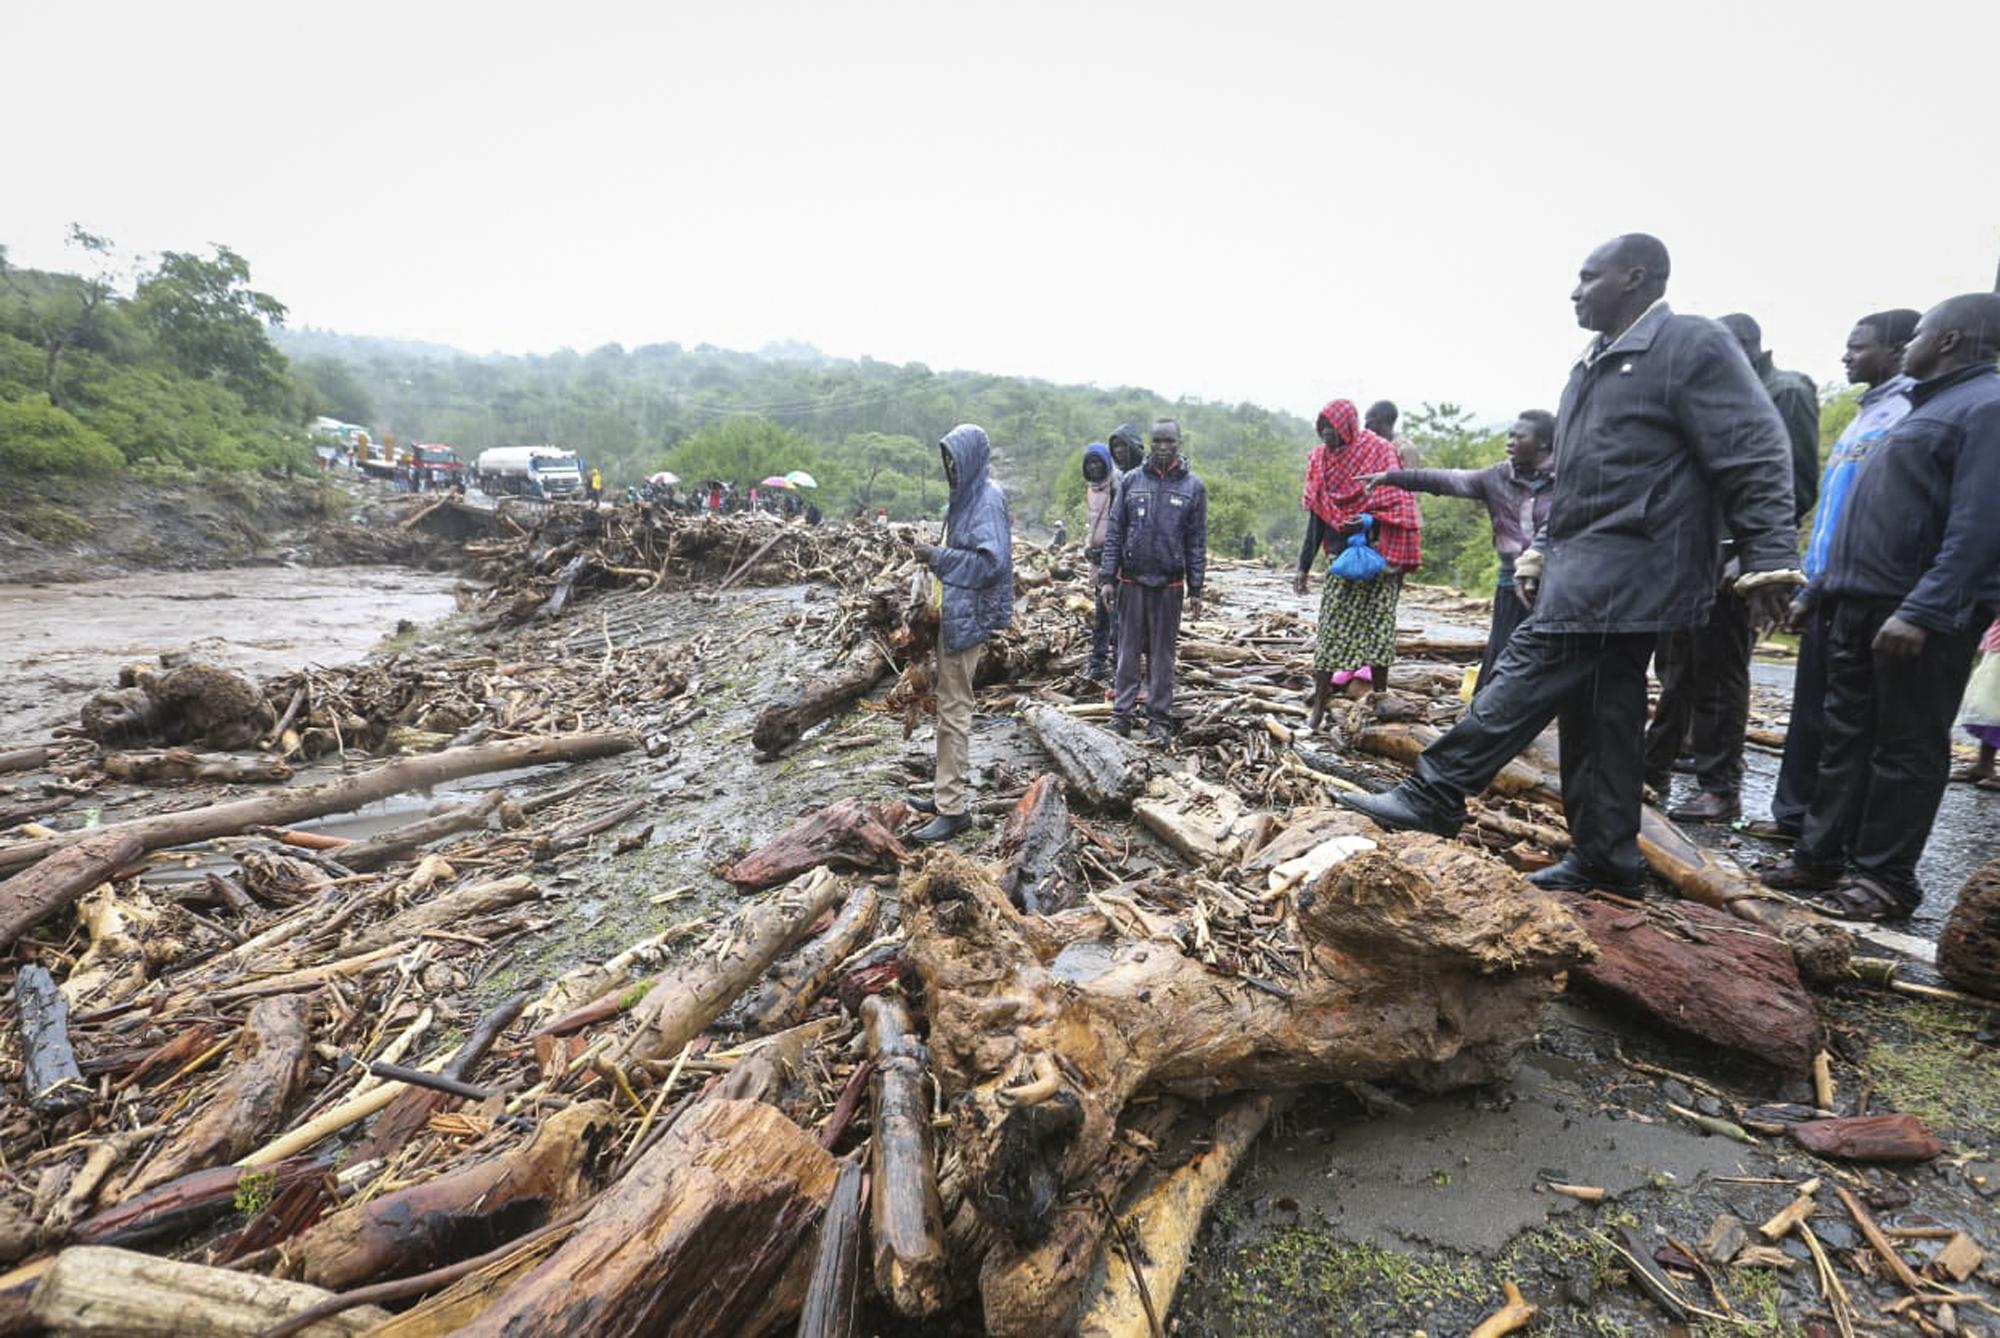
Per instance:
x=1911, y=581
x=1155, y=557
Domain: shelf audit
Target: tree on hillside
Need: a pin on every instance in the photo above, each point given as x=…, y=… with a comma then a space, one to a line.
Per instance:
x=211, y=323
x=65, y=311
x=333, y=388
x=867, y=456
x=742, y=450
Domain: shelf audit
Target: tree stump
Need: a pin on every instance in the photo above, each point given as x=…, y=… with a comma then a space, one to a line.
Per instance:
x=1969, y=946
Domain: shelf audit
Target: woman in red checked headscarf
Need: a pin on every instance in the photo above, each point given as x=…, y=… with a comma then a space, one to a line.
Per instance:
x=1357, y=618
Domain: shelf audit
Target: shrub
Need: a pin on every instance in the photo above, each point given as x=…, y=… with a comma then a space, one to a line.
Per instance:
x=38, y=438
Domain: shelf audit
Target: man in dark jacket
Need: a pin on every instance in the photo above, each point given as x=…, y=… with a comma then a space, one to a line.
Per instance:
x=1128, y=449
x=1155, y=553
x=1516, y=493
x=973, y=589
x=1705, y=671
x=1911, y=581
x=1663, y=437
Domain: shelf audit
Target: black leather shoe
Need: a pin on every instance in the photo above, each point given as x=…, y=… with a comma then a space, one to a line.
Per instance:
x=1121, y=725
x=1708, y=806
x=1394, y=810
x=1569, y=874
x=917, y=803
x=942, y=828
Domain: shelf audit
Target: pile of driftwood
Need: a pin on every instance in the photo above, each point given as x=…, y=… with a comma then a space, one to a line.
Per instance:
x=279, y=1094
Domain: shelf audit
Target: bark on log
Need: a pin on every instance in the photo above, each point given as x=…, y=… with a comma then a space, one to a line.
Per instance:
x=1423, y=960
x=463, y=1214
x=1899, y=1139
x=102, y=1292
x=906, y=1218
x=1038, y=1289
x=31, y=896
x=50, y=1078
x=1716, y=979
x=1824, y=950
x=784, y=999
x=833, y=1296
x=1102, y=770
x=849, y=834
x=823, y=696
x=377, y=850
x=183, y=766
x=181, y=1205
x=406, y=1115
x=269, y=1063
x=1163, y=1226
x=1039, y=873
x=340, y=796
x=691, y=1241
x=676, y=1009
x=1968, y=951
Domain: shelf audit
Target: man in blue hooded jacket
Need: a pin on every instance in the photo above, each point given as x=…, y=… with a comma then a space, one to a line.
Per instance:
x=972, y=588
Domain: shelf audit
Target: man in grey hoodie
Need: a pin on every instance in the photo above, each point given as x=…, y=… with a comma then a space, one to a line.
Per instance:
x=972, y=588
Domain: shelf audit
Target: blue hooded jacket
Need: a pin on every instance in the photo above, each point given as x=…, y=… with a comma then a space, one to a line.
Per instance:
x=976, y=562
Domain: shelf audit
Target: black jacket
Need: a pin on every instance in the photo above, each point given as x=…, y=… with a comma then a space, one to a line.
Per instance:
x=1662, y=440
x=1919, y=529
x=1158, y=531
x=1797, y=401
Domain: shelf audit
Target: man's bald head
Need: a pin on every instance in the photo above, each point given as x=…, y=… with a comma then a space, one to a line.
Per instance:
x=1381, y=418
x=1619, y=280
x=1958, y=332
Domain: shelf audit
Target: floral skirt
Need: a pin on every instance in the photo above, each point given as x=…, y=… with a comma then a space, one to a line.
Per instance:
x=1357, y=622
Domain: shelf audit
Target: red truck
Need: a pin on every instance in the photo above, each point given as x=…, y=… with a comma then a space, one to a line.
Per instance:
x=436, y=465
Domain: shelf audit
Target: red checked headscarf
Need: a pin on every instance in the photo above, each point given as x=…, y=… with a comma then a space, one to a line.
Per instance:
x=1334, y=493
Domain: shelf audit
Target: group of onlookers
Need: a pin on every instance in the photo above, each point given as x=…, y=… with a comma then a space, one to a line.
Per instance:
x=1653, y=518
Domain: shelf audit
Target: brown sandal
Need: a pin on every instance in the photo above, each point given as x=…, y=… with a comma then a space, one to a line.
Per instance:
x=1859, y=897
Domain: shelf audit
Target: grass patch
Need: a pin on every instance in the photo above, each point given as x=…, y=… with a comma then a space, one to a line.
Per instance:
x=1925, y=1061
x=48, y=523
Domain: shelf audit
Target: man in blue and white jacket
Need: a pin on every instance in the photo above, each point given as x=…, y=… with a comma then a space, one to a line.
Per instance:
x=1874, y=359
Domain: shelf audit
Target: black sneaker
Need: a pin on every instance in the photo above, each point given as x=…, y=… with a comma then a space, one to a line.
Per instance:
x=1159, y=734
x=1121, y=725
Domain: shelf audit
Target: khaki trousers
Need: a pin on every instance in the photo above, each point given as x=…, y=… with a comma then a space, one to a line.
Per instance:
x=954, y=727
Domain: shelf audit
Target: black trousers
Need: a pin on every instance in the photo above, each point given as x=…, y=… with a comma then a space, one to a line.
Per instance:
x=1593, y=685
x=1704, y=693
x=1887, y=755
x=1805, y=736
x=1508, y=613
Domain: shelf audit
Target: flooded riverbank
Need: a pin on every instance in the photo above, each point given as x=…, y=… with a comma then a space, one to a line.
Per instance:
x=61, y=643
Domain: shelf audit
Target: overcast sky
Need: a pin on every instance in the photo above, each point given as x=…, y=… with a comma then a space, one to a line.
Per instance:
x=1278, y=203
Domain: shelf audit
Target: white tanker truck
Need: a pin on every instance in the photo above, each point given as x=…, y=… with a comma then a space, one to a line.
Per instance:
x=528, y=471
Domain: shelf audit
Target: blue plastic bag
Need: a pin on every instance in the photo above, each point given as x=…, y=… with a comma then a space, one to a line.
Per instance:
x=1359, y=561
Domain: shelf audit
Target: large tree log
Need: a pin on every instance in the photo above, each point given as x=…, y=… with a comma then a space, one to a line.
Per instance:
x=783, y=999
x=340, y=796
x=823, y=696
x=1712, y=977
x=179, y=1206
x=1102, y=770
x=267, y=1068
x=1201, y=821
x=680, y=1004
x=31, y=896
x=850, y=834
x=379, y=849
x=689, y=1242
x=1139, y=1284
x=102, y=1292
x=462, y=1214
x=50, y=1077
x=1824, y=950
x=1422, y=960
x=906, y=1220
x=1038, y=872
x=453, y=907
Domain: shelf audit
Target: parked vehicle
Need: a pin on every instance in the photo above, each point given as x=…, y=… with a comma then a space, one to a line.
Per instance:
x=528, y=471
x=436, y=464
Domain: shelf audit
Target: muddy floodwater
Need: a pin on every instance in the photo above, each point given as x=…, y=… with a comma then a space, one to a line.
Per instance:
x=61, y=643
